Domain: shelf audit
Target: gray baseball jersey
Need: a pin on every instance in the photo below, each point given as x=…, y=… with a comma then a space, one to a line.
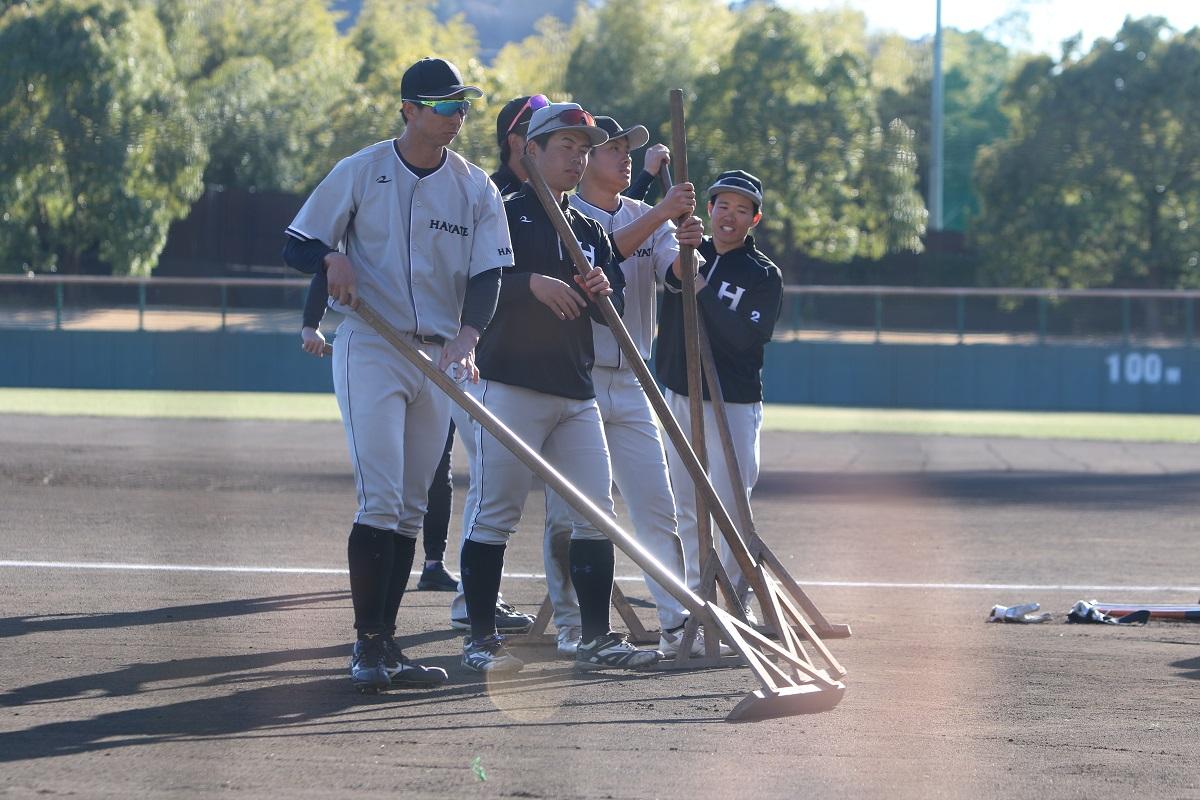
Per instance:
x=643, y=269
x=415, y=275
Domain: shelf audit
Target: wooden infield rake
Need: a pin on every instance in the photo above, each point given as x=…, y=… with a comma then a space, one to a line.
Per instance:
x=790, y=681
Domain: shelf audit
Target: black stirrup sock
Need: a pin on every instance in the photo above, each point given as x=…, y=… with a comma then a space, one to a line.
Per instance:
x=371, y=553
x=402, y=561
x=592, y=565
x=481, y=565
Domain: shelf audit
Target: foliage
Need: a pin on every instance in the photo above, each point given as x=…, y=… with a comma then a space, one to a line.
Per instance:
x=538, y=63
x=1099, y=182
x=100, y=152
x=837, y=184
x=389, y=36
x=262, y=92
x=975, y=72
x=633, y=52
x=1076, y=172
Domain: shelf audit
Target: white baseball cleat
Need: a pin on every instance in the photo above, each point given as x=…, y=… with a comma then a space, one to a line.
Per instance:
x=568, y=641
x=671, y=640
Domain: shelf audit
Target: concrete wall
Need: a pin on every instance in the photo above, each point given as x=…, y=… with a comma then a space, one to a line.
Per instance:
x=1046, y=377
x=1026, y=377
x=208, y=361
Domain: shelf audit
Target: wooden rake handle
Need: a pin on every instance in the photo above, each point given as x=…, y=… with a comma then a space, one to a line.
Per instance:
x=649, y=385
x=533, y=460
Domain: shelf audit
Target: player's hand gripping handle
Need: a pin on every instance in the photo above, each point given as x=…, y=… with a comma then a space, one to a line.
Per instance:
x=343, y=286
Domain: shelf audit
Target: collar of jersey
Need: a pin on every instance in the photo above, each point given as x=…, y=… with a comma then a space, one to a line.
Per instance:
x=748, y=244
x=620, y=202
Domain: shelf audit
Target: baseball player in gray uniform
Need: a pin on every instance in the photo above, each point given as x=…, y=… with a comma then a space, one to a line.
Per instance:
x=422, y=237
x=639, y=465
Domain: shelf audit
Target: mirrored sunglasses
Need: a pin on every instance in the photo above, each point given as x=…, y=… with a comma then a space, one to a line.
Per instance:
x=446, y=108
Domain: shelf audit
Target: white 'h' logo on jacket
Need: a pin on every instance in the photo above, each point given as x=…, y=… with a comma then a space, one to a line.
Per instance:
x=726, y=293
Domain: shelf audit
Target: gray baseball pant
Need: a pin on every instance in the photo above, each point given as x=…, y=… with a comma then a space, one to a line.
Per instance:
x=392, y=415
x=639, y=468
x=745, y=424
x=566, y=432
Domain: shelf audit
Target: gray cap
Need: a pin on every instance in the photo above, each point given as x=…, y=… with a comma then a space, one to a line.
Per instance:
x=565, y=117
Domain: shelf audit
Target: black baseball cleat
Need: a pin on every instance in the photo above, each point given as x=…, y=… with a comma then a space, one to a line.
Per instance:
x=406, y=673
x=508, y=620
x=489, y=655
x=437, y=579
x=613, y=651
x=368, y=671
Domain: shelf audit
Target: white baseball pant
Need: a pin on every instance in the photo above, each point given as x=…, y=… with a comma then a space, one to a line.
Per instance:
x=745, y=424
x=392, y=414
x=567, y=432
x=513, y=408
x=640, y=471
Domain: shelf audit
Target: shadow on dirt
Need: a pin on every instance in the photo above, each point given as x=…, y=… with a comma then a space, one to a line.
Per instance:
x=19, y=626
x=1188, y=668
x=273, y=694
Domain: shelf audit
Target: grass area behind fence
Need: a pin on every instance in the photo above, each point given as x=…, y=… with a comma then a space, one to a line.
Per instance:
x=323, y=408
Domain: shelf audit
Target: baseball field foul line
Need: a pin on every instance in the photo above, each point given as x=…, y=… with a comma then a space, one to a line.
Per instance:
x=116, y=566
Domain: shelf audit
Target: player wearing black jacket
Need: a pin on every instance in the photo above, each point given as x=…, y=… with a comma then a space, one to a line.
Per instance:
x=739, y=293
x=740, y=303
x=535, y=366
x=552, y=359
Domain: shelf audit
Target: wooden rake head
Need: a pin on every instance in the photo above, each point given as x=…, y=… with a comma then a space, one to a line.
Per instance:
x=790, y=683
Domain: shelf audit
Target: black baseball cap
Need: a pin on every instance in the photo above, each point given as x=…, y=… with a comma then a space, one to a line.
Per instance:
x=638, y=135
x=434, y=79
x=505, y=119
x=740, y=182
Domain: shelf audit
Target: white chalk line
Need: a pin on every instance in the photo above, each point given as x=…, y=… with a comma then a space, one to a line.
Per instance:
x=116, y=566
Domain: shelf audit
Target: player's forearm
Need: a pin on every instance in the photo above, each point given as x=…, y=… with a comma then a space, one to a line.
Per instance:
x=640, y=186
x=514, y=288
x=629, y=238
x=480, y=300
x=314, y=300
x=307, y=256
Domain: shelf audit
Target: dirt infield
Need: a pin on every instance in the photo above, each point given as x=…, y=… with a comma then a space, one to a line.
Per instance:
x=230, y=680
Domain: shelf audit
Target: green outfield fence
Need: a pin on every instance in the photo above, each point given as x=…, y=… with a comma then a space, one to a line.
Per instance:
x=1106, y=349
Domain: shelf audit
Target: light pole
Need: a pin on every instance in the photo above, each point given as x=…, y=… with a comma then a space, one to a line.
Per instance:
x=936, y=144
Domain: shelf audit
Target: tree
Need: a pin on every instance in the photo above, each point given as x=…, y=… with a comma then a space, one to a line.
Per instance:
x=389, y=36
x=100, y=152
x=1099, y=182
x=262, y=92
x=975, y=71
x=538, y=63
x=633, y=52
x=838, y=185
